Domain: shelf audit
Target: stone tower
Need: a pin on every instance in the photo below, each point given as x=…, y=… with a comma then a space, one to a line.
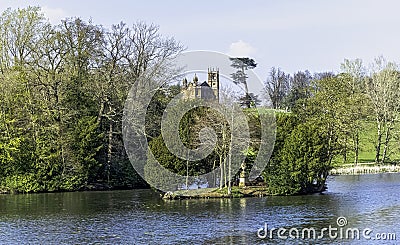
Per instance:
x=213, y=81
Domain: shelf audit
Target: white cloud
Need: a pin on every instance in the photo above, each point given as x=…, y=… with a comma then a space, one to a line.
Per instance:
x=55, y=15
x=240, y=49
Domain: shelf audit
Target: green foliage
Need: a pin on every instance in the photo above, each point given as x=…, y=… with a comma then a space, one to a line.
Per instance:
x=306, y=156
x=62, y=96
x=276, y=174
x=300, y=161
x=86, y=143
x=23, y=183
x=165, y=157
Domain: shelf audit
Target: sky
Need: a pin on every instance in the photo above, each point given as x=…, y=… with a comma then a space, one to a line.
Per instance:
x=293, y=35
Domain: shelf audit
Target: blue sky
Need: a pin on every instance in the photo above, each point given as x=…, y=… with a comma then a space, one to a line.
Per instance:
x=293, y=35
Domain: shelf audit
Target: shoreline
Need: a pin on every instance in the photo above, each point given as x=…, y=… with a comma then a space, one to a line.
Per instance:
x=207, y=193
x=89, y=189
x=236, y=192
x=363, y=169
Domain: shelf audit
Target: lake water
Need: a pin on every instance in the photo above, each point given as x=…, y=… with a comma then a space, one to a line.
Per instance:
x=370, y=203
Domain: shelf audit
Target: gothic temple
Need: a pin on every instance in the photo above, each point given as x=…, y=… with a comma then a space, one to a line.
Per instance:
x=207, y=90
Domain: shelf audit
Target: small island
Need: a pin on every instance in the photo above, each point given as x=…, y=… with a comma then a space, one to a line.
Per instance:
x=250, y=191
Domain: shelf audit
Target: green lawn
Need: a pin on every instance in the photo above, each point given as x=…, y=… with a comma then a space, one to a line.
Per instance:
x=367, y=146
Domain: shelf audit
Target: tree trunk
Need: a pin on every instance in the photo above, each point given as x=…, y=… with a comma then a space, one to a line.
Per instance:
x=100, y=115
x=386, y=142
x=221, y=166
x=246, y=90
x=187, y=153
x=229, y=174
x=345, y=151
x=230, y=157
x=187, y=172
x=214, y=178
x=109, y=150
x=378, y=144
x=330, y=133
x=225, y=174
x=64, y=166
x=356, y=147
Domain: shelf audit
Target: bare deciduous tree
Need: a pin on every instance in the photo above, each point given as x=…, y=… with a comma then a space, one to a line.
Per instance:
x=277, y=86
